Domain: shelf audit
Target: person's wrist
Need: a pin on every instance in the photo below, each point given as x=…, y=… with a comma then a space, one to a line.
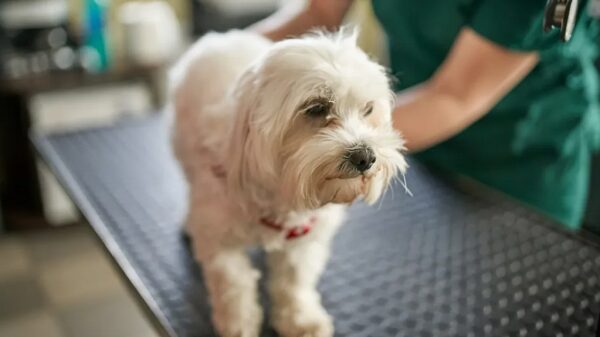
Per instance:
x=328, y=13
x=316, y=19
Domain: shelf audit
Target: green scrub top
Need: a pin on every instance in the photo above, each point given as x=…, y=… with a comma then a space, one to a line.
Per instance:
x=536, y=143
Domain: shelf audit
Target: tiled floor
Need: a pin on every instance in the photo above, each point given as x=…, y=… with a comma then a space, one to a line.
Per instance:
x=59, y=283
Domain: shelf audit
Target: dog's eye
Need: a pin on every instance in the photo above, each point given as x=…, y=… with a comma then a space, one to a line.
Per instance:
x=368, y=109
x=318, y=109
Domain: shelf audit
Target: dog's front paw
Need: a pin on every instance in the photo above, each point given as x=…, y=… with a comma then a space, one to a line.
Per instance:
x=238, y=322
x=306, y=320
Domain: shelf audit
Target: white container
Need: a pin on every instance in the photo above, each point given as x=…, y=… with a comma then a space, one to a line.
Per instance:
x=151, y=32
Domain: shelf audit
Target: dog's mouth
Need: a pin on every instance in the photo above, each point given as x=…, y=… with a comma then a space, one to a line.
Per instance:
x=352, y=174
x=350, y=186
x=347, y=190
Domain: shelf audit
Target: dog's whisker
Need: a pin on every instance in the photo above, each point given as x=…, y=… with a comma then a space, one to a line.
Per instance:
x=405, y=185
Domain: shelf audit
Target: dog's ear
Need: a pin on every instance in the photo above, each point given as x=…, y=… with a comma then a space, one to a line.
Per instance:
x=252, y=144
x=245, y=100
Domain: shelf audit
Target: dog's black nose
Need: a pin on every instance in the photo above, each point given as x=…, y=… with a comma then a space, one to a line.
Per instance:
x=362, y=158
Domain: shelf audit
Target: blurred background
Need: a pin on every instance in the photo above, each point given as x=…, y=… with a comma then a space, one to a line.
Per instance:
x=71, y=64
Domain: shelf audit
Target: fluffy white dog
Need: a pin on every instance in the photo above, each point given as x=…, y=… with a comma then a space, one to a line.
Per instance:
x=274, y=139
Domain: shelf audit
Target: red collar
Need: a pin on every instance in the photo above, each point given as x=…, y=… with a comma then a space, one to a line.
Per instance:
x=291, y=233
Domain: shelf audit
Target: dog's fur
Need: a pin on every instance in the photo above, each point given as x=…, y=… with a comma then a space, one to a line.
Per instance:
x=252, y=145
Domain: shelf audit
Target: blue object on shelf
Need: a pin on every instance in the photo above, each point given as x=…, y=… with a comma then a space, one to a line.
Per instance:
x=96, y=50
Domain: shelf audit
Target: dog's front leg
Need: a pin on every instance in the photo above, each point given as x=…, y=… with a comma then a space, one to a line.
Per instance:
x=232, y=284
x=294, y=273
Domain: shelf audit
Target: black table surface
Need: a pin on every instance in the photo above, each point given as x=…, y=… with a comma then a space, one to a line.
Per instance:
x=446, y=261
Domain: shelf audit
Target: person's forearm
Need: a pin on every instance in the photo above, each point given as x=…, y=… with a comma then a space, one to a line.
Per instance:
x=289, y=21
x=475, y=76
x=425, y=116
x=298, y=18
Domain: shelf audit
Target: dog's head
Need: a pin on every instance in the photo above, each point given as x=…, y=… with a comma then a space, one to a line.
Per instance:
x=313, y=125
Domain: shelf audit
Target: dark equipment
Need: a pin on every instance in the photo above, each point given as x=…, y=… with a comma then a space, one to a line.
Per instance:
x=562, y=15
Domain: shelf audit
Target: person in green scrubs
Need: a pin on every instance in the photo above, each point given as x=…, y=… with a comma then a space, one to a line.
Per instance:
x=484, y=92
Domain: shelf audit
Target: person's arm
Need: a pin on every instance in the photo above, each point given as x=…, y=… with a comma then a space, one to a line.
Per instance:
x=297, y=19
x=472, y=80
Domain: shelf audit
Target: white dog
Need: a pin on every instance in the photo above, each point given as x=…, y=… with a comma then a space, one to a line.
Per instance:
x=274, y=138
